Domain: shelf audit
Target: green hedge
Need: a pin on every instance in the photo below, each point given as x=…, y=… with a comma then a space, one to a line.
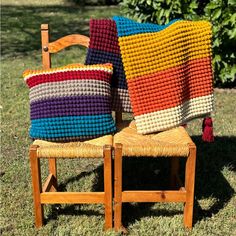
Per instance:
x=222, y=15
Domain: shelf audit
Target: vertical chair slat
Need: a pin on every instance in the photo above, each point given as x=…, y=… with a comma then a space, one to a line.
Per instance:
x=107, y=186
x=46, y=61
x=37, y=186
x=189, y=186
x=118, y=187
x=46, y=58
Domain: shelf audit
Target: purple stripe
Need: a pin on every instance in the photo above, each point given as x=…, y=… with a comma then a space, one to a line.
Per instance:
x=71, y=106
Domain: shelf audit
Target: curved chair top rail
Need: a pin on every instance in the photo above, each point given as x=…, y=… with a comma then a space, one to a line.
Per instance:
x=66, y=41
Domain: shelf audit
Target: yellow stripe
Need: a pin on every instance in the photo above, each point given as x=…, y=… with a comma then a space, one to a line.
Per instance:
x=182, y=41
x=107, y=67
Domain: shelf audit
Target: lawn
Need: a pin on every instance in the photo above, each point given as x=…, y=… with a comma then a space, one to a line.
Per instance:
x=215, y=204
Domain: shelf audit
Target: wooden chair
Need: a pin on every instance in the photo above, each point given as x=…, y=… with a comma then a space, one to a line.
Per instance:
x=96, y=148
x=174, y=143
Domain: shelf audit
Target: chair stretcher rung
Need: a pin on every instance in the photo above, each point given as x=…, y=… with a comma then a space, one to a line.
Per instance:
x=72, y=197
x=154, y=196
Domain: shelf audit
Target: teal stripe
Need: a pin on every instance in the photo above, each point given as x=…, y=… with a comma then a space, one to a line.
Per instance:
x=72, y=126
x=126, y=27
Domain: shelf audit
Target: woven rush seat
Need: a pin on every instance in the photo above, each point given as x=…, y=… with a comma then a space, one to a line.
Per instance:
x=168, y=143
x=92, y=148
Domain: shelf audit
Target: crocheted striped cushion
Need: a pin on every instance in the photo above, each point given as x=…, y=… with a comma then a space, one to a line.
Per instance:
x=168, y=70
x=71, y=102
x=103, y=48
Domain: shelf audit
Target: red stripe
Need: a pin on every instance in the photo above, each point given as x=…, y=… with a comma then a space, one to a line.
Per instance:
x=103, y=36
x=68, y=75
x=172, y=87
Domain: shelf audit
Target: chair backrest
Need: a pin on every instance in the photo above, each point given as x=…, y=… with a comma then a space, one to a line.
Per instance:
x=53, y=47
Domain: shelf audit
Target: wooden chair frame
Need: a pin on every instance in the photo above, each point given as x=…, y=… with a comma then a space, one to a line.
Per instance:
x=185, y=193
x=47, y=194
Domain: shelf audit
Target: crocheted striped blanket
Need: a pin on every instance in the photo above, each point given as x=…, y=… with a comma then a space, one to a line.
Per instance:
x=103, y=48
x=168, y=70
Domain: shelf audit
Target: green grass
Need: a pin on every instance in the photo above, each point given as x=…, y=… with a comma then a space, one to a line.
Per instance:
x=215, y=204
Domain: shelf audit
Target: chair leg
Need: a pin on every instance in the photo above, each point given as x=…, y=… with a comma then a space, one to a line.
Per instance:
x=37, y=186
x=174, y=171
x=118, y=187
x=189, y=186
x=108, y=186
x=53, y=170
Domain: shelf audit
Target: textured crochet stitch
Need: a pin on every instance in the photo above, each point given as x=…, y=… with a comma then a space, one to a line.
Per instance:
x=103, y=48
x=71, y=102
x=168, y=70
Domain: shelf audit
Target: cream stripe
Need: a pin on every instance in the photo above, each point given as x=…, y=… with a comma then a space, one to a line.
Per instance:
x=172, y=117
x=69, y=88
x=120, y=98
x=122, y=93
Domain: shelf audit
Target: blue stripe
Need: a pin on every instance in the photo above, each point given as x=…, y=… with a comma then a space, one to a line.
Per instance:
x=126, y=27
x=72, y=126
x=95, y=56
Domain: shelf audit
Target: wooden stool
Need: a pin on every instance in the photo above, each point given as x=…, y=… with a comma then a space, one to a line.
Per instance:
x=47, y=194
x=173, y=143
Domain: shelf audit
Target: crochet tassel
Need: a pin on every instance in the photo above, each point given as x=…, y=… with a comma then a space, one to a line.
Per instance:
x=207, y=129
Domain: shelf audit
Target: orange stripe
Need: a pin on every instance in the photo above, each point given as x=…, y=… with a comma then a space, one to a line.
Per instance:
x=172, y=87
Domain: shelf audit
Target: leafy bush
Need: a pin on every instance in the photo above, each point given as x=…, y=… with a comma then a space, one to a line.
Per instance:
x=222, y=15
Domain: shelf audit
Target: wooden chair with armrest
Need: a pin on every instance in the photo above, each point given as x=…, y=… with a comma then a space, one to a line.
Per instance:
x=95, y=148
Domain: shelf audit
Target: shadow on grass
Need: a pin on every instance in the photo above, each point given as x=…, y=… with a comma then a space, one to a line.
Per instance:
x=210, y=181
x=20, y=25
x=74, y=208
x=146, y=174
